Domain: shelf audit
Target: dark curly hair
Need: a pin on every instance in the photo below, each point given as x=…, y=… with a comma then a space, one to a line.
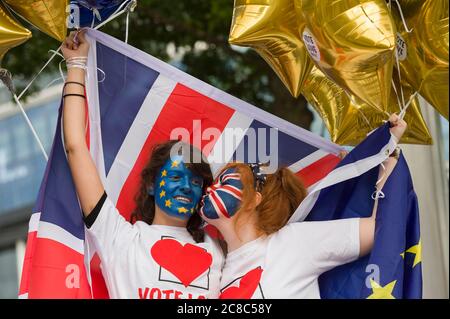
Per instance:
x=145, y=203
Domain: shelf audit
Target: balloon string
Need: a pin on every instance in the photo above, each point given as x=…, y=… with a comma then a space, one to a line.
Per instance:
x=120, y=10
x=62, y=73
x=361, y=112
x=403, y=107
x=127, y=22
x=401, y=15
x=97, y=14
x=6, y=78
x=382, y=175
x=365, y=119
x=93, y=20
x=40, y=71
x=396, y=95
x=403, y=112
x=397, y=61
x=31, y=127
x=125, y=6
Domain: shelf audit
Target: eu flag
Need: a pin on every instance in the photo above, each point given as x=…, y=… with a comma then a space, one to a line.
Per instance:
x=393, y=269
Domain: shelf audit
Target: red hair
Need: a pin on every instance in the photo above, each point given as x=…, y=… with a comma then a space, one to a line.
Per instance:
x=281, y=194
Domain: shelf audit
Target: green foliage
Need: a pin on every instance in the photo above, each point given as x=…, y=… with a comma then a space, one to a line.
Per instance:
x=197, y=30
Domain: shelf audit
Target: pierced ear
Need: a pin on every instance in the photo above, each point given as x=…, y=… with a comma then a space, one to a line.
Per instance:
x=151, y=191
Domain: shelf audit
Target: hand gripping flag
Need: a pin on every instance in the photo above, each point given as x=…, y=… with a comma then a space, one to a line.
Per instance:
x=393, y=268
x=135, y=101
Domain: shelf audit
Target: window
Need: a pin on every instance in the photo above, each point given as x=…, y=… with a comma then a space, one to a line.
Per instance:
x=21, y=141
x=21, y=162
x=8, y=274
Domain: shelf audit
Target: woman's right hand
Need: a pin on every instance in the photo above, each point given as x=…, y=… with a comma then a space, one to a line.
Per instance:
x=78, y=48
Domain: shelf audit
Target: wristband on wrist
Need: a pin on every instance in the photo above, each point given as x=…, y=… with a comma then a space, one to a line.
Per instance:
x=73, y=82
x=73, y=94
x=77, y=62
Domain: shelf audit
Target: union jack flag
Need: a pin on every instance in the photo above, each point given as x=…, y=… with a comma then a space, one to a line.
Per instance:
x=133, y=103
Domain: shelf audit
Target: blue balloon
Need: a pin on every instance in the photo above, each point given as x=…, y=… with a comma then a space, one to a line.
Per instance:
x=98, y=4
x=89, y=13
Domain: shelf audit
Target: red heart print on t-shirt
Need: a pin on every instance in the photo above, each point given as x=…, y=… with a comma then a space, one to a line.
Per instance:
x=186, y=262
x=247, y=286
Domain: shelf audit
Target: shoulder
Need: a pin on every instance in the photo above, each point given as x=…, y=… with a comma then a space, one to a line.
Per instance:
x=297, y=229
x=312, y=232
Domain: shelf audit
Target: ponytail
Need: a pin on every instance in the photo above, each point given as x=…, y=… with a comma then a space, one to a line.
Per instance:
x=281, y=195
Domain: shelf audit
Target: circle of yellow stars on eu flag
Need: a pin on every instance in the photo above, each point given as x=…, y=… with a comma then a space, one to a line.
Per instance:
x=162, y=194
x=385, y=292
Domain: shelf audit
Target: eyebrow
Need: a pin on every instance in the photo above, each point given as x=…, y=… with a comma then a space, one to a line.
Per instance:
x=180, y=170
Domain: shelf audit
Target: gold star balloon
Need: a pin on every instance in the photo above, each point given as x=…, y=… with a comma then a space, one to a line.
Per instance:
x=348, y=119
x=353, y=43
x=49, y=16
x=270, y=27
x=423, y=53
x=408, y=5
x=12, y=33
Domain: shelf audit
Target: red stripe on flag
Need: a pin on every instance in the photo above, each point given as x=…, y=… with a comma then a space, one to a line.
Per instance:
x=27, y=261
x=219, y=205
x=99, y=290
x=313, y=173
x=233, y=190
x=57, y=271
x=183, y=106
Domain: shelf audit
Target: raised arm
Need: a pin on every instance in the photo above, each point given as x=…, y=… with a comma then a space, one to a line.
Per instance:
x=84, y=172
x=367, y=225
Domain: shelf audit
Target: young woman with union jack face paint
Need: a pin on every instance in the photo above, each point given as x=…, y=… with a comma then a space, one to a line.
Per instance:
x=267, y=257
x=161, y=253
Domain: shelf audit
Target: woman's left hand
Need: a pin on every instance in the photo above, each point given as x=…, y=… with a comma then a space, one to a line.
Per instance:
x=398, y=126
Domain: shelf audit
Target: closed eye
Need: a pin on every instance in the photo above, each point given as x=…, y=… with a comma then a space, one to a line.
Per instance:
x=197, y=182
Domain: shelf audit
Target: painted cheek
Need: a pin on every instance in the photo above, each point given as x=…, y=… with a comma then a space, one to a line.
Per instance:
x=207, y=209
x=197, y=195
x=233, y=206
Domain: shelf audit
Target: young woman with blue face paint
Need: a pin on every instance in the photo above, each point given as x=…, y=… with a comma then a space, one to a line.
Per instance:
x=170, y=191
x=163, y=253
x=268, y=258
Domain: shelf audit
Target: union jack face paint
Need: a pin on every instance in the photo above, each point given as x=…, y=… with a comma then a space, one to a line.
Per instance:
x=223, y=197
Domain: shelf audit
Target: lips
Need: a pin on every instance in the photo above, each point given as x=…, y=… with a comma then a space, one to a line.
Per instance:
x=183, y=199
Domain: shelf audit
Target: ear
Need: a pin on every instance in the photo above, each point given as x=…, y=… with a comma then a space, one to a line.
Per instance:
x=258, y=199
x=151, y=191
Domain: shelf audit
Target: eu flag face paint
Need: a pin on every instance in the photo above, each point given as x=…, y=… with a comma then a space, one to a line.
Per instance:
x=223, y=198
x=177, y=189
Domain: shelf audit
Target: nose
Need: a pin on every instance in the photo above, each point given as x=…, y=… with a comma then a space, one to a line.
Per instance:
x=186, y=186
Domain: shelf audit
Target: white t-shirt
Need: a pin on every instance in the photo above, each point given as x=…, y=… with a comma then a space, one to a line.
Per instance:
x=144, y=261
x=287, y=264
